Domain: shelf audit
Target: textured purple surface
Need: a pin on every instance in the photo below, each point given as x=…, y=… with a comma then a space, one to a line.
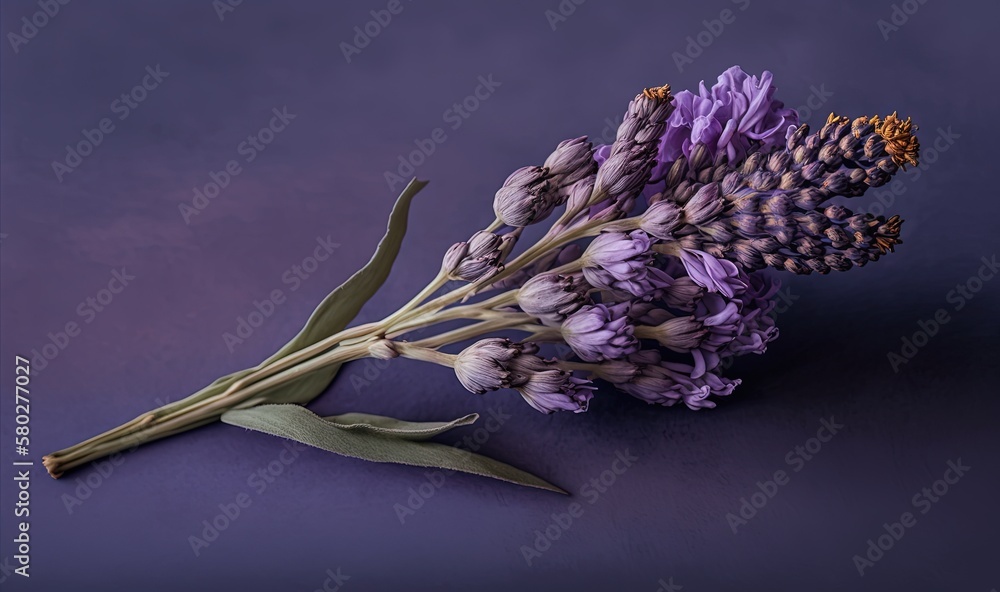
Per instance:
x=665, y=517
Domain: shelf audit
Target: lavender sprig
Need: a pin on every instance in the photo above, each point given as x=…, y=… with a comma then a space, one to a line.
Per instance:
x=649, y=278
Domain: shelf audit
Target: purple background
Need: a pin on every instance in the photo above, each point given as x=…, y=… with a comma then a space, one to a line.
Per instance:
x=323, y=176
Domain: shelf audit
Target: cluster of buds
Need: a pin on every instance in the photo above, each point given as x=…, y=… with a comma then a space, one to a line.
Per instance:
x=495, y=363
x=698, y=194
x=685, y=211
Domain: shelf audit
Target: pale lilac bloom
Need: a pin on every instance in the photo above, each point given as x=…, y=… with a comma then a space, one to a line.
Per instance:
x=715, y=275
x=738, y=112
x=548, y=388
x=599, y=332
x=660, y=382
x=623, y=262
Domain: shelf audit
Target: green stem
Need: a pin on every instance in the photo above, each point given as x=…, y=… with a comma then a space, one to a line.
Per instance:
x=245, y=389
x=479, y=311
x=472, y=331
x=149, y=426
x=425, y=354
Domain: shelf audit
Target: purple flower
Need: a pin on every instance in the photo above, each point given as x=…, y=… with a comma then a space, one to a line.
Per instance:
x=640, y=376
x=714, y=325
x=599, y=332
x=683, y=294
x=482, y=366
x=662, y=219
x=548, y=388
x=623, y=262
x=679, y=334
x=715, y=275
x=757, y=327
x=572, y=161
x=496, y=363
x=632, y=155
x=695, y=391
x=650, y=378
x=527, y=196
x=551, y=297
x=737, y=111
x=481, y=257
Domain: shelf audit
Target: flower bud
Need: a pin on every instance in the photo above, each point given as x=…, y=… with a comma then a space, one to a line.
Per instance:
x=479, y=258
x=623, y=262
x=661, y=219
x=547, y=388
x=527, y=196
x=599, y=332
x=551, y=297
x=704, y=205
x=571, y=161
x=482, y=366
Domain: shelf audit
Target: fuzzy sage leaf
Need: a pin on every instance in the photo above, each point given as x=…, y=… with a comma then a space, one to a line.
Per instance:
x=339, y=308
x=376, y=442
x=390, y=426
x=332, y=315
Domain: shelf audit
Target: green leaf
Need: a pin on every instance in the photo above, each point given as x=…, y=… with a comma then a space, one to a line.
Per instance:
x=390, y=426
x=371, y=438
x=332, y=315
x=343, y=304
